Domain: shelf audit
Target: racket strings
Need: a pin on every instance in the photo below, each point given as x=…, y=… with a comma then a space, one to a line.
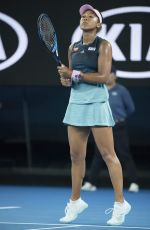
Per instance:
x=48, y=33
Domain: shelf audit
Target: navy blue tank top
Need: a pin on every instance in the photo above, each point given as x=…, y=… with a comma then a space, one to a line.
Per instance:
x=85, y=58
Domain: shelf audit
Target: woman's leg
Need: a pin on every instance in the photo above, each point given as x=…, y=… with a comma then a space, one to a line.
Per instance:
x=78, y=142
x=104, y=139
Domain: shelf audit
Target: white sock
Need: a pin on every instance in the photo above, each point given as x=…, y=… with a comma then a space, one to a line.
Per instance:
x=75, y=201
x=119, y=203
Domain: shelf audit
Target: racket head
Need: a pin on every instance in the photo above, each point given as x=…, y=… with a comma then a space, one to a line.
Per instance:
x=47, y=35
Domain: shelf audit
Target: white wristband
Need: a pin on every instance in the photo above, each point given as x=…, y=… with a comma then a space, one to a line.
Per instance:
x=75, y=76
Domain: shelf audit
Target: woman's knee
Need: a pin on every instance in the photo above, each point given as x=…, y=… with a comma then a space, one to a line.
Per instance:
x=77, y=156
x=109, y=156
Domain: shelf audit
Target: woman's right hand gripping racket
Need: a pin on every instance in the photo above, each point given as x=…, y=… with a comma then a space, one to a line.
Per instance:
x=48, y=36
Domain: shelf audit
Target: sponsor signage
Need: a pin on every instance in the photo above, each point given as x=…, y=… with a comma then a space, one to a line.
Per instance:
x=21, y=40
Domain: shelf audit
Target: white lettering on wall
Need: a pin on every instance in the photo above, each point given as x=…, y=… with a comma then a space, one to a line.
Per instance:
x=2, y=51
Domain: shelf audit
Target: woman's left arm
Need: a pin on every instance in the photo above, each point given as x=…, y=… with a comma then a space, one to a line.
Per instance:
x=104, y=65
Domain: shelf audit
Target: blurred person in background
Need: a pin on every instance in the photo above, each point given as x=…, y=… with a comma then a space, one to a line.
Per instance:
x=122, y=107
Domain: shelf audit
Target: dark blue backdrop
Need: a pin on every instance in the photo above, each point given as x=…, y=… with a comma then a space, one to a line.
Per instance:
x=33, y=102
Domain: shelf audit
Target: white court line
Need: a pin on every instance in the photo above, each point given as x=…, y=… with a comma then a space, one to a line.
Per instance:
x=82, y=225
x=9, y=207
x=61, y=225
x=66, y=226
x=91, y=226
x=29, y=223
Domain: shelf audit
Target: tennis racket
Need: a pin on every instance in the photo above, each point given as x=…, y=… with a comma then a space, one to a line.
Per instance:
x=48, y=36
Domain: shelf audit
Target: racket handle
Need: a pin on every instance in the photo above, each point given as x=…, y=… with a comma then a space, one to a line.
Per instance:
x=57, y=59
x=59, y=63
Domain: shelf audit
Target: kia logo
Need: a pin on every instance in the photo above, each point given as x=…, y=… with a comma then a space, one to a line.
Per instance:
x=136, y=40
x=22, y=42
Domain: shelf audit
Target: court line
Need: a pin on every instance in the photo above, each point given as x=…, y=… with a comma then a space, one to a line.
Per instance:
x=68, y=225
x=28, y=223
x=92, y=226
x=9, y=207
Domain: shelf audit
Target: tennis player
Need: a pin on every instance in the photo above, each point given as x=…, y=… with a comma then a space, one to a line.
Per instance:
x=88, y=111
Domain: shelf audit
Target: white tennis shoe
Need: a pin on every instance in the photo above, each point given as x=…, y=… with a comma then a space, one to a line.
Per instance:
x=133, y=187
x=120, y=210
x=72, y=210
x=88, y=187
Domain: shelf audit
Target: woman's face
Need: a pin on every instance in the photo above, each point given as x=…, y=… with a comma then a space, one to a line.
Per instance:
x=89, y=21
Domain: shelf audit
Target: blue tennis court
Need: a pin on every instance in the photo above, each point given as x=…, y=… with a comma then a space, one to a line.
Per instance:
x=39, y=208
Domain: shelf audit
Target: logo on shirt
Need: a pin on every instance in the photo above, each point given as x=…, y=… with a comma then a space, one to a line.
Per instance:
x=75, y=49
x=92, y=48
x=114, y=93
x=82, y=52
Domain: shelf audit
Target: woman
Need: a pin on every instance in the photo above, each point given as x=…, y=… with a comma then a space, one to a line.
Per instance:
x=88, y=111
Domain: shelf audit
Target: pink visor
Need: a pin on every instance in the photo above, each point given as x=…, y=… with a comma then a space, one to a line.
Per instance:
x=89, y=7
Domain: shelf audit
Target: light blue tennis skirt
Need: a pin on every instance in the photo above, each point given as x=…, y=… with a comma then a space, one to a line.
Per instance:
x=92, y=114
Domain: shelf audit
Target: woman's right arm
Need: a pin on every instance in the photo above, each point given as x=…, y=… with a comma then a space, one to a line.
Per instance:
x=64, y=70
